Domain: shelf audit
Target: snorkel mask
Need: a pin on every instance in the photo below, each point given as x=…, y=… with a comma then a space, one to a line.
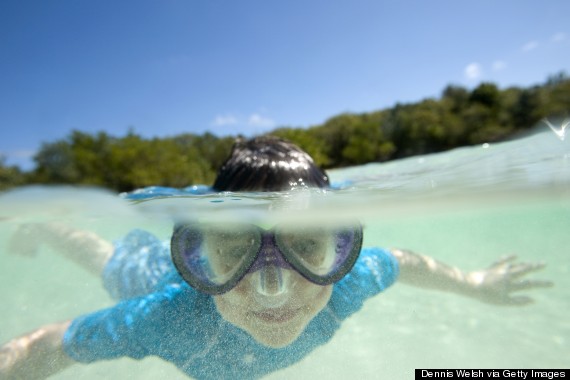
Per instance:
x=214, y=258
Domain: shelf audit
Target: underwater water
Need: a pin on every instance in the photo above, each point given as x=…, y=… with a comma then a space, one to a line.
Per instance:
x=467, y=207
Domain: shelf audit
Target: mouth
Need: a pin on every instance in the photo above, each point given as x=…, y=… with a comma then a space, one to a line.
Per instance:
x=276, y=316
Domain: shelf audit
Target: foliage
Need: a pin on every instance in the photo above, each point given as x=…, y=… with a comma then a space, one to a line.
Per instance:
x=10, y=176
x=125, y=163
x=459, y=117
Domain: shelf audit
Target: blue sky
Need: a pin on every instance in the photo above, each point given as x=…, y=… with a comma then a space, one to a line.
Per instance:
x=166, y=67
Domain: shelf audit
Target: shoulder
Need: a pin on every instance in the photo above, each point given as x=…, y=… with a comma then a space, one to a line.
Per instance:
x=140, y=243
x=138, y=238
x=377, y=264
x=140, y=262
x=375, y=270
x=374, y=266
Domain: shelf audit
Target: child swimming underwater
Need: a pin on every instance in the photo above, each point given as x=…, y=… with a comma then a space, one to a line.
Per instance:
x=234, y=300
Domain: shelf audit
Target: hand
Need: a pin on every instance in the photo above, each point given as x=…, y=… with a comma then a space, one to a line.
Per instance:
x=25, y=241
x=496, y=284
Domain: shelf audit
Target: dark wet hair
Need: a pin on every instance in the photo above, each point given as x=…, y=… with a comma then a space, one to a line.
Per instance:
x=268, y=163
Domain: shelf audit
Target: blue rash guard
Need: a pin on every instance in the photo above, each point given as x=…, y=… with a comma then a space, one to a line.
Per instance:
x=163, y=316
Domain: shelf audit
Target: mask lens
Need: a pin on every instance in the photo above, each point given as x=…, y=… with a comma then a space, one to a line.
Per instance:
x=224, y=252
x=214, y=258
x=313, y=248
x=322, y=255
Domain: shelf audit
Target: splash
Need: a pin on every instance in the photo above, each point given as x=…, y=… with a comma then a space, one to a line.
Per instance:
x=560, y=132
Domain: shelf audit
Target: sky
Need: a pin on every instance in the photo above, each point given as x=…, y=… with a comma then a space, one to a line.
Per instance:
x=167, y=67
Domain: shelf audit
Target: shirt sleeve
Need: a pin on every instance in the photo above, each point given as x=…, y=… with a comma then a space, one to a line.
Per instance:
x=138, y=327
x=139, y=265
x=375, y=270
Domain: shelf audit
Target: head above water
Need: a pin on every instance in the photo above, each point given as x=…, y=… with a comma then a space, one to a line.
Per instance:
x=273, y=304
x=268, y=163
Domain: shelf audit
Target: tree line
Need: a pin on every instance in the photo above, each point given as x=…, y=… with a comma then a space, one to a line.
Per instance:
x=458, y=117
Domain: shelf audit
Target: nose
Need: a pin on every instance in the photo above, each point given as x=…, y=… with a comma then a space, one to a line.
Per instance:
x=272, y=281
x=272, y=285
x=271, y=274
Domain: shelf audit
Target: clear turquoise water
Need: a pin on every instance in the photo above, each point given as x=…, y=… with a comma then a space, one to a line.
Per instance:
x=466, y=207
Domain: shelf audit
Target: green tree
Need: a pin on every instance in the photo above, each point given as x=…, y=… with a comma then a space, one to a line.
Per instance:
x=212, y=149
x=526, y=111
x=135, y=162
x=55, y=164
x=486, y=94
x=556, y=97
x=10, y=176
x=367, y=142
x=421, y=128
x=485, y=118
x=460, y=117
x=455, y=98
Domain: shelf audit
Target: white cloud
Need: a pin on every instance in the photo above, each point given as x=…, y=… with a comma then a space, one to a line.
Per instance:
x=529, y=46
x=558, y=37
x=22, y=158
x=499, y=65
x=256, y=120
x=223, y=120
x=17, y=154
x=22, y=153
x=473, y=71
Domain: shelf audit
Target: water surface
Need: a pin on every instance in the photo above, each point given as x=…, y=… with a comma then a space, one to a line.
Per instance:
x=467, y=207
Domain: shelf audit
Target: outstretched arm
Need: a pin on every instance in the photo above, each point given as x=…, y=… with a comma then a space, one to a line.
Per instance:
x=85, y=248
x=493, y=285
x=36, y=355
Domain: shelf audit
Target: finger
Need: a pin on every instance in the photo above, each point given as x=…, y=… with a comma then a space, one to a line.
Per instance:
x=519, y=301
x=503, y=260
x=23, y=242
x=22, y=249
x=521, y=269
x=530, y=284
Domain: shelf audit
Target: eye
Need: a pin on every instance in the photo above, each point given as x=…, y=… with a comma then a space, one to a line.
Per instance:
x=227, y=247
x=305, y=246
x=308, y=246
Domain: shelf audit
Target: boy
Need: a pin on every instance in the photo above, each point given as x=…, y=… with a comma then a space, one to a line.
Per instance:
x=234, y=300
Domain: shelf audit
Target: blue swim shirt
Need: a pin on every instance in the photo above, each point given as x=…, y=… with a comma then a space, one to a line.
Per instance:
x=165, y=317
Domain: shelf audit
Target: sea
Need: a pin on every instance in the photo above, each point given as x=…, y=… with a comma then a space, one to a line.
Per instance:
x=467, y=207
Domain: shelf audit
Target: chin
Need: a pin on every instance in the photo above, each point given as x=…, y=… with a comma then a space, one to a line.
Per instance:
x=278, y=337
